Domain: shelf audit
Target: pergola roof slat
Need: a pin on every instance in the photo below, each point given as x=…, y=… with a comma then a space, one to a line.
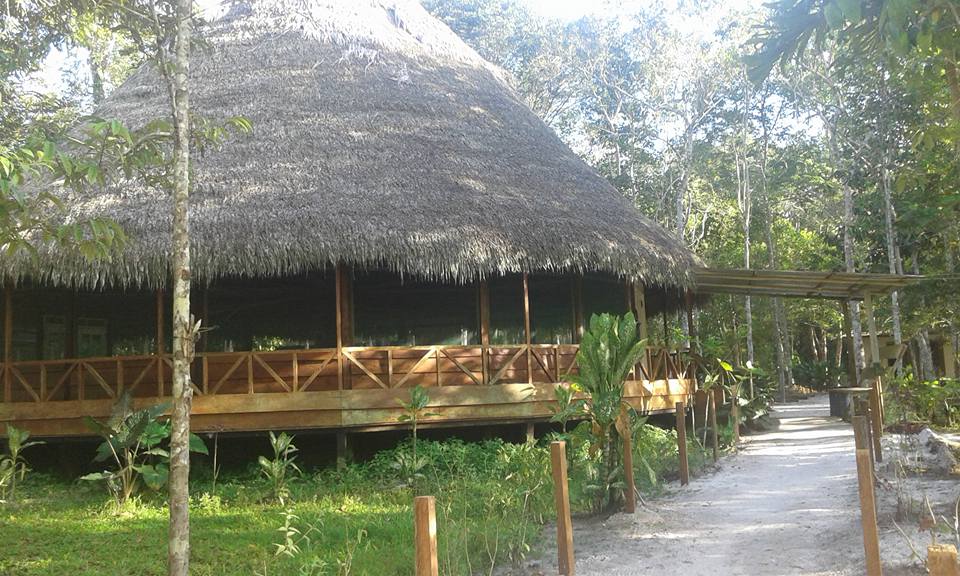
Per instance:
x=799, y=283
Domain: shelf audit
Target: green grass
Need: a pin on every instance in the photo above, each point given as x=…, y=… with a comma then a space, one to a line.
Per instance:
x=492, y=499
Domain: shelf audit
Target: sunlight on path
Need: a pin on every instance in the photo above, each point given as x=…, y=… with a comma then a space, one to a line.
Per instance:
x=786, y=504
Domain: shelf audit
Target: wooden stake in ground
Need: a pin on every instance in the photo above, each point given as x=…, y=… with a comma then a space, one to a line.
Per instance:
x=942, y=560
x=425, y=535
x=868, y=504
x=713, y=425
x=735, y=414
x=630, y=490
x=558, y=457
x=682, y=443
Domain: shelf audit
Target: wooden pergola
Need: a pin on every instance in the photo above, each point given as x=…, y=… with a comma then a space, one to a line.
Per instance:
x=841, y=286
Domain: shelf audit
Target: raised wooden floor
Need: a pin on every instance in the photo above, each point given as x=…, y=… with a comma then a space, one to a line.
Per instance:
x=355, y=388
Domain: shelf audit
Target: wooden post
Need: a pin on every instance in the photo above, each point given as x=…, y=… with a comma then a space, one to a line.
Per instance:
x=875, y=359
x=630, y=491
x=640, y=305
x=851, y=353
x=558, y=459
x=713, y=425
x=868, y=505
x=343, y=450
x=7, y=341
x=425, y=535
x=530, y=430
x=577, y=295
x=483, y=293
x=682, y=443
x=735, y=414
x=942, y=560
x=872, y=326
x=666, y=329
x=338, y=297
x=161, y=339
x=526, y=326
x=691, y=327
x=876, y=421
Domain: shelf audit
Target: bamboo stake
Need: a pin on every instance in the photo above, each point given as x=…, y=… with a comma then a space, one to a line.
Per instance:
x=565, y=560
x=630, y=491
x=425, y=536
x=682, y=443
x=868, y=504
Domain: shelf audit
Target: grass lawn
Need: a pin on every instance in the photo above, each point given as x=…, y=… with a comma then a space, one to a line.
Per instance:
x=492, y=499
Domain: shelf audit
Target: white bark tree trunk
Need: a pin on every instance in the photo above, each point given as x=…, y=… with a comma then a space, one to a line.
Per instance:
x=178, y=560
x=893, y=256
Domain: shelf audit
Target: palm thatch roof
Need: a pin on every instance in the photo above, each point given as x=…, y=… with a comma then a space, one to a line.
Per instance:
x=380, y=140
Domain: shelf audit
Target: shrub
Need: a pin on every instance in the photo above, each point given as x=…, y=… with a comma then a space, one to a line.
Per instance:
x=281, y=467
x=13, y=467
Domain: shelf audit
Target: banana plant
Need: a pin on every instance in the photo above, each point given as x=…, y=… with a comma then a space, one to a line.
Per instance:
x=134, y=442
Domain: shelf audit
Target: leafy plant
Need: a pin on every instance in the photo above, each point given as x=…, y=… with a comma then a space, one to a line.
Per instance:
x=13, y=466
x=413, y=411
x=608, y=351
x=279, y=469
x=134, y=441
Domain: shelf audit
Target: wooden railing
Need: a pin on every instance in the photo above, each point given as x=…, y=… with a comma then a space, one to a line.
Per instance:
x=291, y=371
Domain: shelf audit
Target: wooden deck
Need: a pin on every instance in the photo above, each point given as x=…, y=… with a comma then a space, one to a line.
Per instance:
x=355, y=388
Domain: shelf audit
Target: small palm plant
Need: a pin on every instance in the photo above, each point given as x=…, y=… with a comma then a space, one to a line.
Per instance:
x=279, y=469
x=13, y=467
x=413, y=411
x=608, y=351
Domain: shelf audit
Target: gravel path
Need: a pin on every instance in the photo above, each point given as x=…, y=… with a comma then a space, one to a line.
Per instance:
x=785, y=504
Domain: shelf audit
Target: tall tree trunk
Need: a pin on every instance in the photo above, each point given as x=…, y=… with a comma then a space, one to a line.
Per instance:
x=893, y=255
x=950, y=266
x=849, y=262
x=925, y=354
x=183, y=330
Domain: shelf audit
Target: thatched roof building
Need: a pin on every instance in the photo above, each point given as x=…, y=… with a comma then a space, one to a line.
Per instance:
x=381, y=141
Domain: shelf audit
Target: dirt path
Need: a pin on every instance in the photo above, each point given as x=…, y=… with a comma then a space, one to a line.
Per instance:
x=786, y=504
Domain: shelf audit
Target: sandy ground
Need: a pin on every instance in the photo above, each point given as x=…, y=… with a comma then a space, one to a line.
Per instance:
x=787, y=503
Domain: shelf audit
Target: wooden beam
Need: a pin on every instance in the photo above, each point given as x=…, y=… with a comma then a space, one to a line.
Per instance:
x=7, y=341
x=526, y=326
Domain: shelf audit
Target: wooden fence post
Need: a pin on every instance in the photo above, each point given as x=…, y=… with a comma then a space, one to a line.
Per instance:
x=425, y=535
x=713, y=425
x=735, y=413
x=630, y=491
x=558, y=457
x=682, y=443
x=942, y=560
x=868, y=504
x=876, y=420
